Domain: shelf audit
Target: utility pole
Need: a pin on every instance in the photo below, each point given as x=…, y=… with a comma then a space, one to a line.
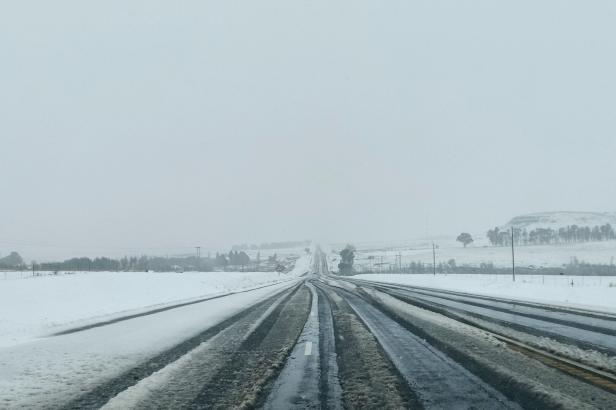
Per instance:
x=198, y=248
x=433, y=259
x=512, y=256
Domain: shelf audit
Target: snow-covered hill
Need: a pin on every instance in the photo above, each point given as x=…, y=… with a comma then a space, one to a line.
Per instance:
x=557, y=220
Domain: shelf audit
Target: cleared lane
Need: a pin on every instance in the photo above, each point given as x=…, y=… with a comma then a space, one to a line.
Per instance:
x=298, y=384
x=331, y=392
x=437, y=380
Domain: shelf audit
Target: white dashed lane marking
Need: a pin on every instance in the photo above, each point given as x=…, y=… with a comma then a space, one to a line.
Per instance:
x=308, y=350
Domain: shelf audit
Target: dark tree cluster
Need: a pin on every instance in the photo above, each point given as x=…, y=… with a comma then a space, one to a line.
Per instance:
x=347, y=258
x=546, y=236
x=421, y=267
x=234, y=258
x=147, y=263
x=133, y=263
x=12, y=261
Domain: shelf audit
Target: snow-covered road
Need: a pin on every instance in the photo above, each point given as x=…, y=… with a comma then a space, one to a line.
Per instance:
x=320, y=341
x=53, y=370
x=39, y=306
x=585, y=292
x=114, y=321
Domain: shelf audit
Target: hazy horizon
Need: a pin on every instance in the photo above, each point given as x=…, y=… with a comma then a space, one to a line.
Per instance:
x=147, y=127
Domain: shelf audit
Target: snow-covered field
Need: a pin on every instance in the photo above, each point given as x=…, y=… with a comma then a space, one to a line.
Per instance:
x=370, y=255
x=531, y=255
x=32, y=307
x=560, y=219
x=587, y=292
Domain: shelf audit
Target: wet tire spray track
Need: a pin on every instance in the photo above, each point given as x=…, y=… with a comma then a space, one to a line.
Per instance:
x=177, y=385
x=367, y=377
x=310, y=376
x=438, y=381
x=246, y=377
x=298, y=385
x=331, y=392
x=526, y=380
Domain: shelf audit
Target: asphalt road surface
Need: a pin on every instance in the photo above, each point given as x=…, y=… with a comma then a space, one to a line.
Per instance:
x=330, y=343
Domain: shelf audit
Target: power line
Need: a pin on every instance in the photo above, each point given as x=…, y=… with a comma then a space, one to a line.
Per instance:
x=512, y=256
x=433, y=259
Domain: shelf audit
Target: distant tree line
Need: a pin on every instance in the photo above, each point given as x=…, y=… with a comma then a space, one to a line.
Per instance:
x=546, y=236
x=417, y=267
x=133, y=263
x=234, y=260
x=575, y=267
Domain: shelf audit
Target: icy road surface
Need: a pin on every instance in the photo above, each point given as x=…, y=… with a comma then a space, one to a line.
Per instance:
x=322, y=341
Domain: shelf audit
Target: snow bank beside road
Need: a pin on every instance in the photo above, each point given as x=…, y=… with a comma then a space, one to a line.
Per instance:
x=38, y=306
x=587, y=292
x=48, y=372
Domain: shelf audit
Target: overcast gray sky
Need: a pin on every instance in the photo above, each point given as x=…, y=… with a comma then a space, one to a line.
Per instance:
x=155, y=125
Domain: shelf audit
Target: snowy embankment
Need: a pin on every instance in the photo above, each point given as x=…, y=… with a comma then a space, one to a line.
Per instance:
x=583, y=292
x=38, y=306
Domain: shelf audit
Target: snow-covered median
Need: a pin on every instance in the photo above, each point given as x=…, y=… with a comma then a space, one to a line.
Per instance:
x=39, y=306
x=585, y=292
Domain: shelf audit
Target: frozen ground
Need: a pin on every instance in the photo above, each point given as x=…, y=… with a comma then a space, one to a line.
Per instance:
x=556, y=220
x=37, y=306
x=587, y=292
x=474, y=255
